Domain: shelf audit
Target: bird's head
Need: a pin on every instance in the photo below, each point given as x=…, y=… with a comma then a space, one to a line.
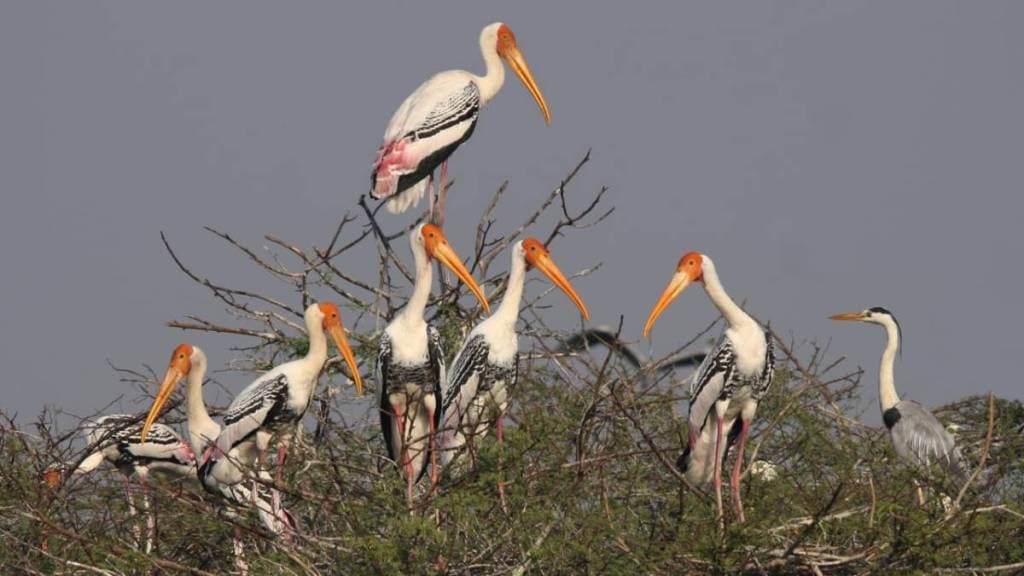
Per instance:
x=184, y=359
x=499, y=37
x=689, y=270
x=54, y=474
x=330, y=321
x=876, y=315
x=537, y=256
x=436, y=245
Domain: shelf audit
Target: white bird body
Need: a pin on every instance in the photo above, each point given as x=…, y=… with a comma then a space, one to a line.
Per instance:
x=439, y=116
x=487, y=366
x=276, y=401
x=726, y=389
x=410, y=367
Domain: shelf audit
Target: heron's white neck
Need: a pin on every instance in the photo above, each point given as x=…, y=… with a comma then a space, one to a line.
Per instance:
x=202, y=430
x=413, y=311
x=508, y=310
x=887, y=396
x=733, y=314
x=494, y=77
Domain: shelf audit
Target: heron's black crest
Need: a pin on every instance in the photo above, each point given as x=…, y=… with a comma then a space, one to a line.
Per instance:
x=891, y=417
x=899, y=329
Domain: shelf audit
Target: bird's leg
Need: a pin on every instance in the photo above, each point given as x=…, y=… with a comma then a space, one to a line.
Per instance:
x=431, y=198
x=920, y=493
x=261, y=454
x=718, y=473
x=136, y=532
x=150, y=519
x=500, y=430
x=405, y=461
x=438, y=216
x=282, y=453
x=236, y=543
x=735, y=480
x=434, y=476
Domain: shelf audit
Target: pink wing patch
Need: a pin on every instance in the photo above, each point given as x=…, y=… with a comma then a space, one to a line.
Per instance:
x=186, y=453
x=393, y=160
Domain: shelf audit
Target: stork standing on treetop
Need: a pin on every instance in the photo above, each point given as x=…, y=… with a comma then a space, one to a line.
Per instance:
x=726, y=389
x=439, y=116
x=410, y=363
x=118, y=439
x=189, y=362
x=276, y=401
x=917, y=435
x=487, y=365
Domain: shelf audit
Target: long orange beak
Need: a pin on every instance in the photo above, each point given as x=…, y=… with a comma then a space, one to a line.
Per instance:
x=545, y=264
x=446, y=255
x=848, y=316
x=175, y=372
x=338, y=335
x=678, y=283
x=517, y=62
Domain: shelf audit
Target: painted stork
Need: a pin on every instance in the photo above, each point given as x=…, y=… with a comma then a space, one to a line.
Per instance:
x=486, y=367
x=439, y=116
x=275, y=403
x=117, y=439
x=189, y=362
x=726, y=389
x=917, y=435
x=410, y=363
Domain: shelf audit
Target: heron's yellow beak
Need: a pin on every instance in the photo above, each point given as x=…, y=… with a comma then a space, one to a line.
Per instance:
x=848, y=316
x=539, y=258
x=438, y=247
x=336, y=330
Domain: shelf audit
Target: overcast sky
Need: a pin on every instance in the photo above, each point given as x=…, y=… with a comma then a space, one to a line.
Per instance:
x=830, y=156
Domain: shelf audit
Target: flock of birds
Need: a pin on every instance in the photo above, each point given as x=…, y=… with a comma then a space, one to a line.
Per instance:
x=429, y=413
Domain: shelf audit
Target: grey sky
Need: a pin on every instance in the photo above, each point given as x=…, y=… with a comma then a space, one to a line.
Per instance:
x=829, y=156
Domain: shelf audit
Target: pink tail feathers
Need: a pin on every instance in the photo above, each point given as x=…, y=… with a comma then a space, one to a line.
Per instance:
x=395, y=160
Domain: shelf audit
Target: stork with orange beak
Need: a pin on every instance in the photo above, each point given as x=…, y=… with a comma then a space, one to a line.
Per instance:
x=189, y=363
x=726, y=389
x=410, y=363
x=439, y=116
x=275, y=403
x=486, y=367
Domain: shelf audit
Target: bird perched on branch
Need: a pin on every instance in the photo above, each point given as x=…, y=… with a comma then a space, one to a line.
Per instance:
x=410, y=363
x=728, y=386
x=917, y=435
x=487, y=366
x=438, y=117
x=119, y=440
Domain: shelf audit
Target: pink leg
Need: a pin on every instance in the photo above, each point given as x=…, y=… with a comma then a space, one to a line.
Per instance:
x=405, y=461
x=136, y=532
x=718, y=473
x=430, y=198
x=441, y=191
x=282, y=454
x=434, y=478
x=236, y=542
x=501, y=458
x=735, y=480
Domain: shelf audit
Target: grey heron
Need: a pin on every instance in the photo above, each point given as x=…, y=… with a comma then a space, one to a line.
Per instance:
x=917, y=435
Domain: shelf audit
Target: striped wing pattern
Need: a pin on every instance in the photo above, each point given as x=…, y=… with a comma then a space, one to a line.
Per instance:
x=124, y=432
x=262, y=404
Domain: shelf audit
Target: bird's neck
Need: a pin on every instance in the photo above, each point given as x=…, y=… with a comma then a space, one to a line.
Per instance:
x=733, y=314
x=508, y=310
x=887, y=396
x=494, y=76
x=316, y=356
x=417, y=304
x=202, y=430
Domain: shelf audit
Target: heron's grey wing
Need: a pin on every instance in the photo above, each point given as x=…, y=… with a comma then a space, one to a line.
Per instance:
x=918, y=436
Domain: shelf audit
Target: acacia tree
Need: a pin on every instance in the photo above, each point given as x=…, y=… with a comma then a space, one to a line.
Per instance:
x=588, y=461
